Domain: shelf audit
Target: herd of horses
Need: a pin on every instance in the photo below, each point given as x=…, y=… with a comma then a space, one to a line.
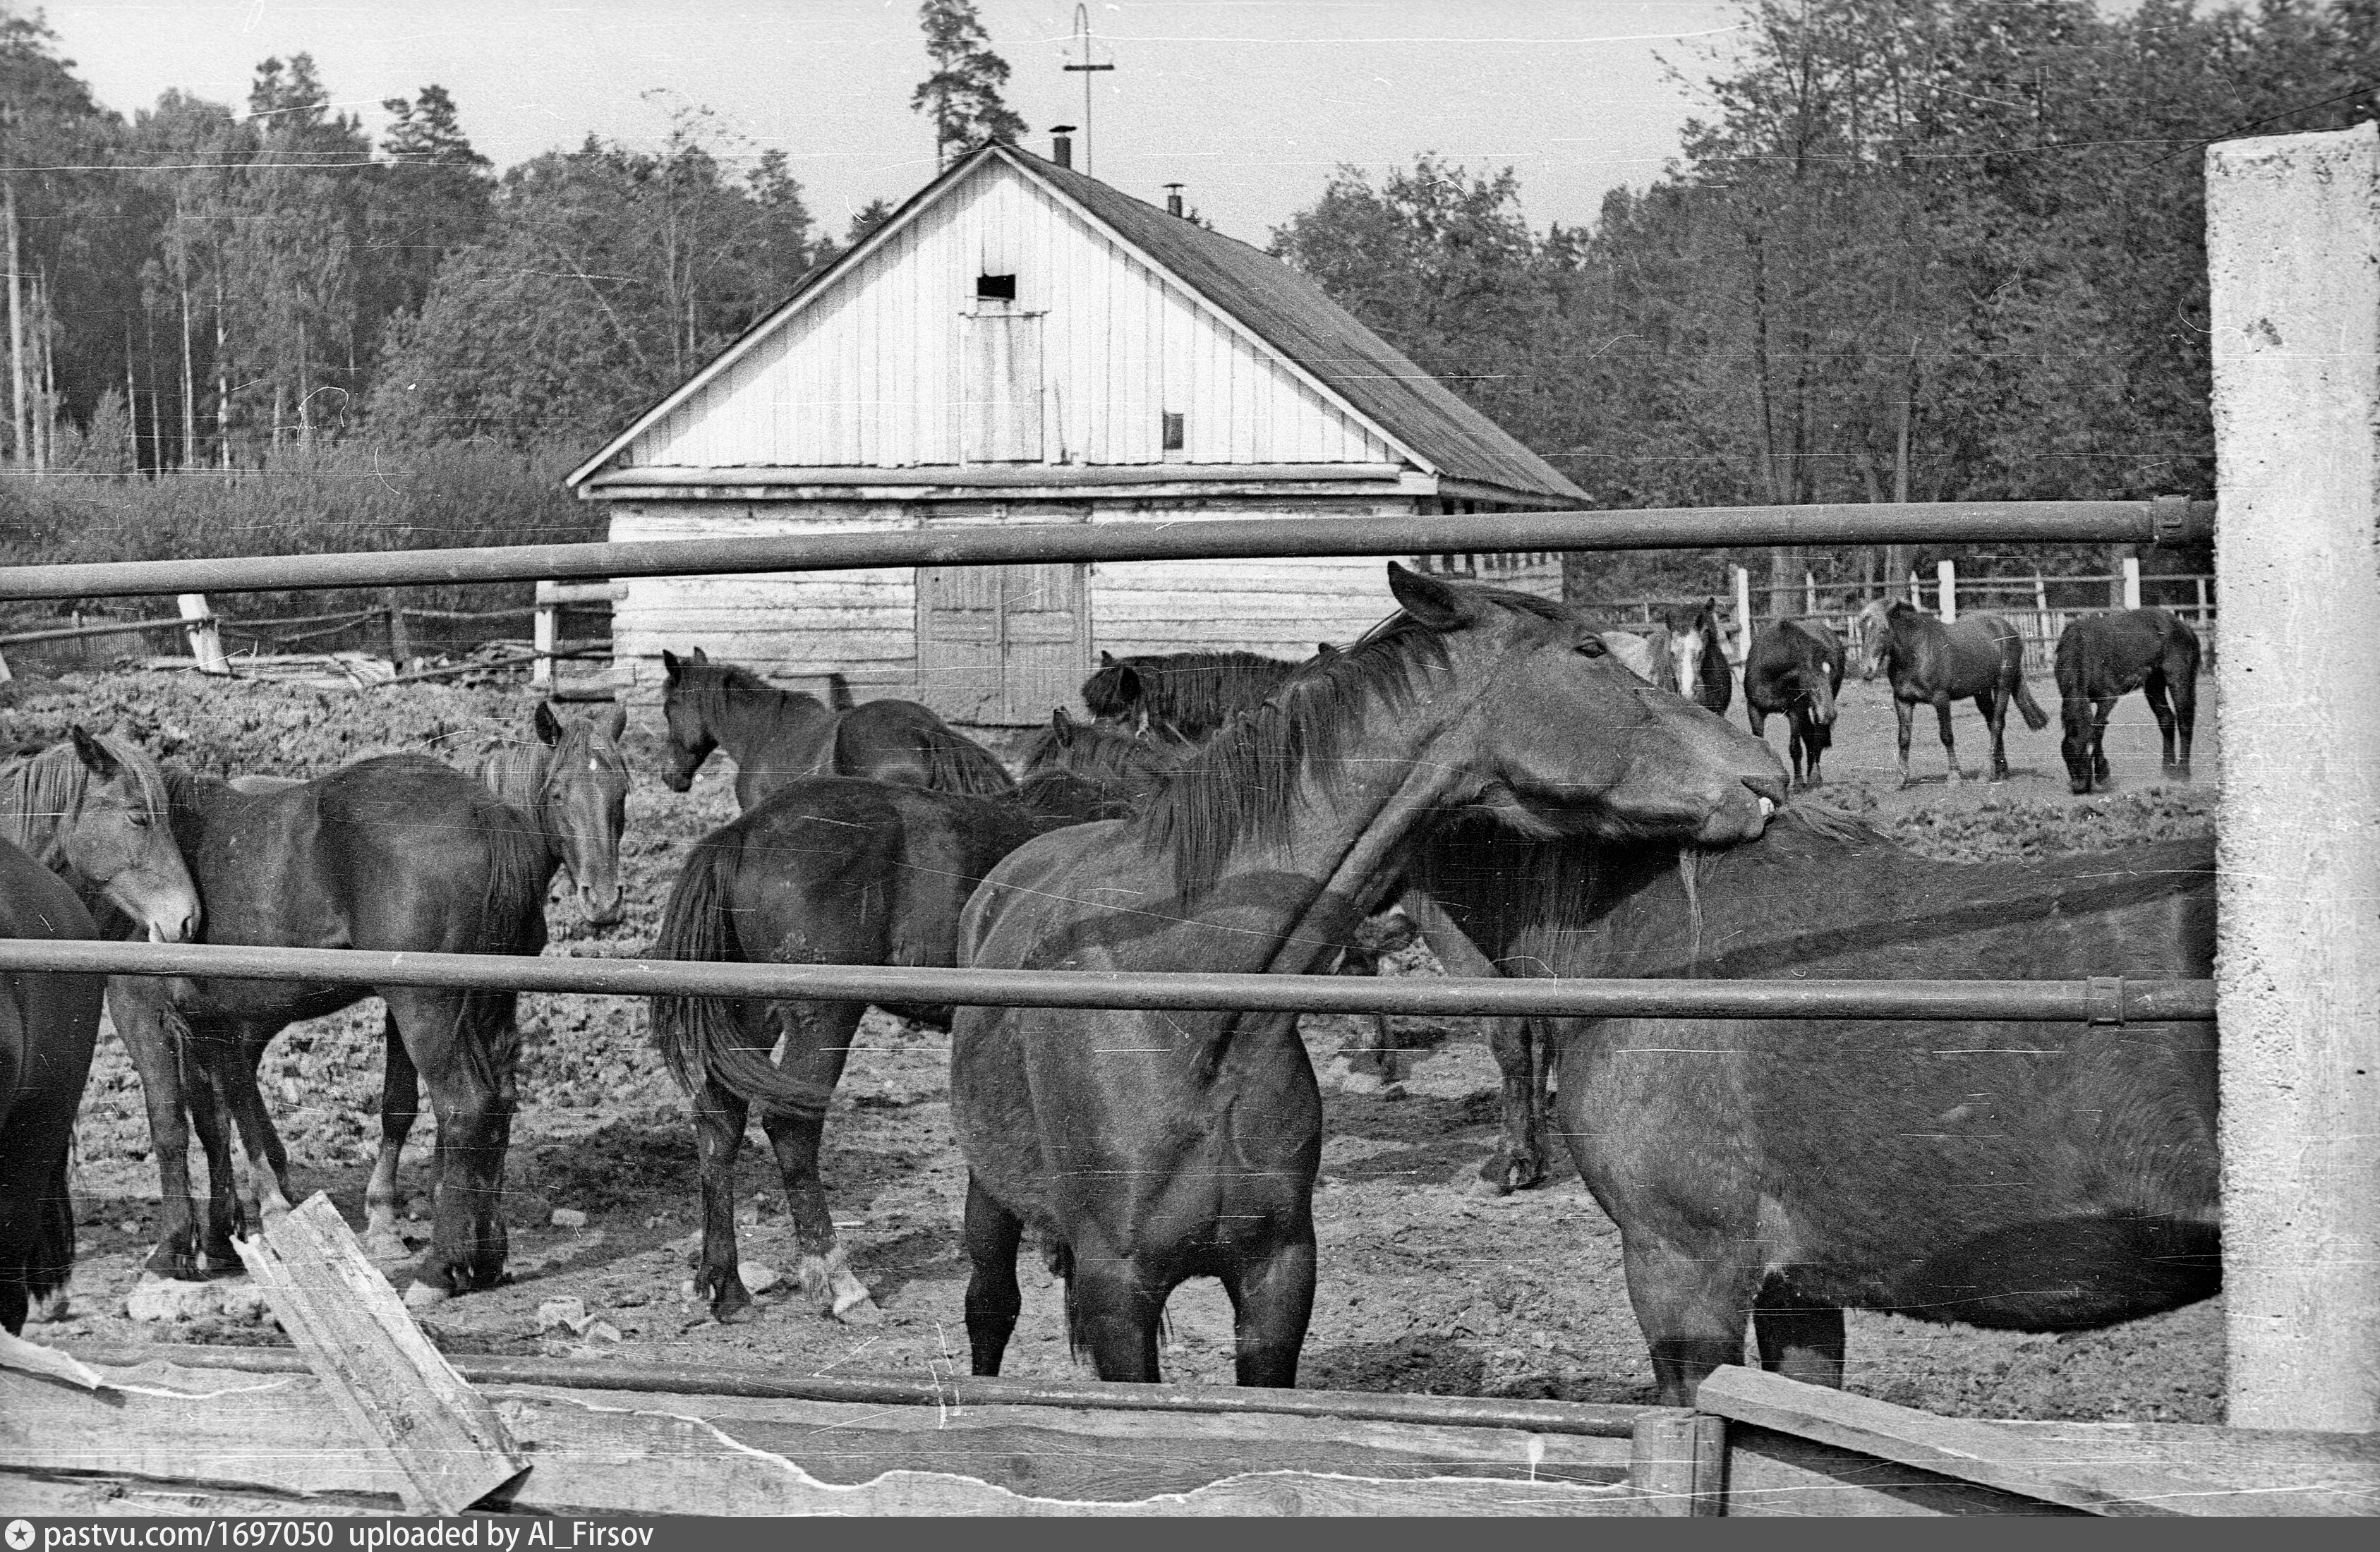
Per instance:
x=1539, y=800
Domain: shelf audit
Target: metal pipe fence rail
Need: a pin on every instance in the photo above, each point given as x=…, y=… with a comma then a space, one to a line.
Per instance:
x=2167, y=519
x=2100, y=1000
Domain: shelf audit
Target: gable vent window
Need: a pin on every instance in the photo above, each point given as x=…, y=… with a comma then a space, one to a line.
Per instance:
x=995, y=289
x=1172, y=432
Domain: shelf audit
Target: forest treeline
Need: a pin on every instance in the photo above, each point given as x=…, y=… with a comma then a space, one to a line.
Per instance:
x=1915, y=248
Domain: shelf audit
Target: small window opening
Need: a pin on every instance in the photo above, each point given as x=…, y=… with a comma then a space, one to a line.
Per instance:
x=1172, y=432
x=996, y=288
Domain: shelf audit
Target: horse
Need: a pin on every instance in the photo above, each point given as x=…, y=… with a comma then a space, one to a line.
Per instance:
x=49, y=1025
x=1185, y=694
x=832, y=870
x=1698, y=654
x=2022, y=1176
x=1649, y=655
x=95, y=812
x=572, y=781
x=398, y=853
x=1979, y=656
x=1795, y=667
x=776, y=735
x=2103, y=658
x=1145, y=1148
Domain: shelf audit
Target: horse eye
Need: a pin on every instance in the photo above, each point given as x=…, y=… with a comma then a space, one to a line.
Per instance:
x=139, y=821
x=1592, y=647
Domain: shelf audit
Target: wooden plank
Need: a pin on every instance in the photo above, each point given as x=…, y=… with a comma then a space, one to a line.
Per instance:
x=92, y=1498
x=1771, y=1474
x=1984, y=1453
x=394, y=1388
x=1678, y=1461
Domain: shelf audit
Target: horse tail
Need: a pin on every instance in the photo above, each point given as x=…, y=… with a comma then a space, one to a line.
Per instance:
x=2028, y=708
x=955, y=763
x=701, y=1038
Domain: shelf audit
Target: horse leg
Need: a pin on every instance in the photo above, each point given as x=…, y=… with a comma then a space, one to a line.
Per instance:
x=1114, y=1313
x=1906, y=711
x=2100, y=711
x=2155, y=690
x=991, y=1235
x=141, y=1023
x=1949, y=745
x=400, y=1107
x=206, y=1088
x=1691, y=1301
x=265, y=1184
x=1519, y=1161
x=1995, y=706
x=817, y=1043
x=464, y=1046
x=1798, y=1339
x=1272, y=1302
x=719, y=1119
x=1797, y=740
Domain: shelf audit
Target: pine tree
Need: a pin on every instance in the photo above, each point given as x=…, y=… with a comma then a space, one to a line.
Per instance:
x=962, y=96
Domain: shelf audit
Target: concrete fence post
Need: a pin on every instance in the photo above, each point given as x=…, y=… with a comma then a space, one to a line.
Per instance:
x=2131, y=581
x=1946, y=582
x=2293, y=262
x=1742, y=614
x=545, y=630
x=206, y=642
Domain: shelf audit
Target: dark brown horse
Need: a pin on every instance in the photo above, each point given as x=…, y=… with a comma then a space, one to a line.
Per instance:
x=398, y=853
x=777, y=735
x=95, y=812
x=830, y=870
x=49, y=1025
x=572, y=782
x=1183, y=695
x=2102, y=658
x=1979, y=656
x=2032, y=1177
x=1145, y=1148
x=1698, y=654
x=1795, y=667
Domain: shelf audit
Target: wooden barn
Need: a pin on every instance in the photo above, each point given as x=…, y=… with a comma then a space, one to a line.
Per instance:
x=1022, y=344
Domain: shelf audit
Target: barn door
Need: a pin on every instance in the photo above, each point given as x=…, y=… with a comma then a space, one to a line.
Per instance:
x=1000, y=389
x=1001, y=645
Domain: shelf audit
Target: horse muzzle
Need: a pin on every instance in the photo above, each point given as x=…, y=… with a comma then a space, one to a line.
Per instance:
x=1741, y=814
x=603, y=905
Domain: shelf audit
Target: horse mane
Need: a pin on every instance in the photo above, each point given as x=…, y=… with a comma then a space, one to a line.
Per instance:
x=1239, y=787
x=1188, y=690
x=515, y=770
x=1102, y=752
x=41, y=793
x=713, y=684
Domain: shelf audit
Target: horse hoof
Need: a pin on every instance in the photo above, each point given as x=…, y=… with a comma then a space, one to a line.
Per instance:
x=50, y=1309
x=1490, y=1183
x=862, y=1311
x=174, y=1265
x=425, y=1295
x=385, y=1245
x=1351, y=1081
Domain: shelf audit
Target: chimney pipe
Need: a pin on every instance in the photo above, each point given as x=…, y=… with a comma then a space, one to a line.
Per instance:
x=1061, y=144
x=1174, y=198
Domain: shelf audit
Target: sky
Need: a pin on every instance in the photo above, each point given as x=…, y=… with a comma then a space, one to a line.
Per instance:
x=1251, y=104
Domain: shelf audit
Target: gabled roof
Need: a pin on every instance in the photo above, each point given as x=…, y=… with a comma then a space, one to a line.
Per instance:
x=1282, y=309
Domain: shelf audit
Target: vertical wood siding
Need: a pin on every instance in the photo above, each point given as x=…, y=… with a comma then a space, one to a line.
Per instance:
x=871, y=373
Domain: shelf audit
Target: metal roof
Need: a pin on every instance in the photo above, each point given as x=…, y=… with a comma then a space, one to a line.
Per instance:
x=1284, y=309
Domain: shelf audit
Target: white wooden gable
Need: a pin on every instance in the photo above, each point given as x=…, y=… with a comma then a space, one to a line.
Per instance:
x=896, y=362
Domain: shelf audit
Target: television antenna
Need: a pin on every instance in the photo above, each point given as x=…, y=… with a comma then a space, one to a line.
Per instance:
x=1083, y=37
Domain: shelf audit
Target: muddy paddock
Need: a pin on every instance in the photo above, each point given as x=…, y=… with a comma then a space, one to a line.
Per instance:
x=1425, y=1285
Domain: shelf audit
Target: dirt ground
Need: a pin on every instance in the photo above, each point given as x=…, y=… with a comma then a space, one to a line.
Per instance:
x=1425, y=1285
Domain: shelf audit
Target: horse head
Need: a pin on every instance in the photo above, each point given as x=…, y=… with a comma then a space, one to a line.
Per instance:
x=690, y=739
x=1872, y=634
x=1573, y=742
x=582, y=804
x=117, y=832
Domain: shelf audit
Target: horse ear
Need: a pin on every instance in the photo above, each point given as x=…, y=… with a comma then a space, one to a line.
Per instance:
x=1107, y=658
x=1432, y=602
x=614, y=721
x=1128, y=685
x=700, y=655
x=672, y=664
x=549, y=726
x=1062, y=726
x=96, y=757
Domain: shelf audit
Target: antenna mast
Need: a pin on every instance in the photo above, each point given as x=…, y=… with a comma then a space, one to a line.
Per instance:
x=1083, y=37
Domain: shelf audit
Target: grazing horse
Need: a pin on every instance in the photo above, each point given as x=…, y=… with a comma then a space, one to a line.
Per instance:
x=95, y=811
x=1980, y=656
x=572, y=781
x=1185, y=695
x=2103, y=658
x=776, y=735
x=2034, y=1177
x=1795, y=667
x=49, y=1023
x=830, y=870
x=399, y=854
x=1698, y=654
x=1145, y=1148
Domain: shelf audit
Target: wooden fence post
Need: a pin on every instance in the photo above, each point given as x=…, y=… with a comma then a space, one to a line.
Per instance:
x=206, y=643
x=544, y=632
x=2131, y=581
x=1809, y=596
x=1946, y=577
x=400, y=639
x=1743, y=613
x=2293, y=261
